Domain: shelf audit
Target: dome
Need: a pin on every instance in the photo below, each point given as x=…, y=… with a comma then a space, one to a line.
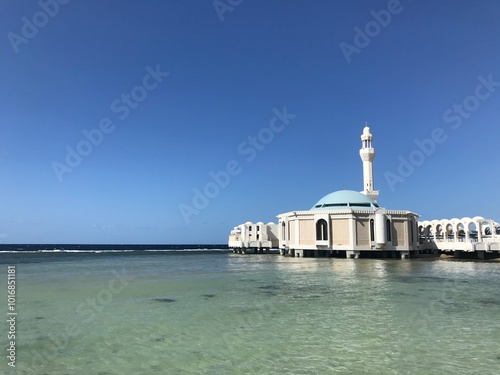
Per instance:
x=366, y=136
x=345, y=199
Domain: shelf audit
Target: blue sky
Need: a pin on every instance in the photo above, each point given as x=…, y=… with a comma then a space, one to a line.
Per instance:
x=169, y=92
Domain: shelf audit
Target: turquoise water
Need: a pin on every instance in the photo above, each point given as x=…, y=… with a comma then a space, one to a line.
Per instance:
x=220, y=313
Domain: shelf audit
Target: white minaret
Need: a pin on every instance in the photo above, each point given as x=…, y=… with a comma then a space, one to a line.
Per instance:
x=367, y=153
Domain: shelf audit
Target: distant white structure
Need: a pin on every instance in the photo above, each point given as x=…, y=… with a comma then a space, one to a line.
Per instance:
x=352, y=224
x=250, y=237
x=475, y=234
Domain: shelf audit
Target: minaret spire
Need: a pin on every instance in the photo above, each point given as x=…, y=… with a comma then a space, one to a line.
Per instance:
x=367, y=154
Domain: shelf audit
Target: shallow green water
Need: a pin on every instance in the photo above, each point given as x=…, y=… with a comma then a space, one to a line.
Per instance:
x=167, y=313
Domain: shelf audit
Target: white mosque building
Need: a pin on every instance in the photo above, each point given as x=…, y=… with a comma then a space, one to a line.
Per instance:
x=352, y=224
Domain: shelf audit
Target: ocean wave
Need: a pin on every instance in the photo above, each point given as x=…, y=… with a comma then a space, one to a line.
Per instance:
x=185, y=250
x=63, y=251
x=85, y=251
x=97, y=251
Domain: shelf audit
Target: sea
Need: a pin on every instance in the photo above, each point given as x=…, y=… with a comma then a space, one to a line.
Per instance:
x=114, y=310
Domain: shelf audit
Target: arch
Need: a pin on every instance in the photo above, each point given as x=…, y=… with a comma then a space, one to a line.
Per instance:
x=485, y=227
x=478, y=219
x=439, y=231
x=435, y=229
x=413, y=230
x=429, y=231
x=321, y=230
x=448, y=230
x=421, y=234
x=460, y=230
x=472, y=230
x=283, y=231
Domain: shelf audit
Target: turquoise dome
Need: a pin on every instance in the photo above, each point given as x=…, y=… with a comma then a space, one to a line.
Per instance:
x=345, y=199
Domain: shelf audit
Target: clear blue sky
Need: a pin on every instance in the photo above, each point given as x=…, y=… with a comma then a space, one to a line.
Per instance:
x=230, y=71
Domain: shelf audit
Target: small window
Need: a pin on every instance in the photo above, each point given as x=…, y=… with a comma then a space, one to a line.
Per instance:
x=372, y=230
x=360, y=205
x=283, y=231
x=249, y=227
x=257, y=228
x=335, y=205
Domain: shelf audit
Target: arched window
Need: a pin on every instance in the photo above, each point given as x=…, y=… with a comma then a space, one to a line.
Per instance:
x=388, y=230
x=372, y=230
x=283, y=229
x=321, y=230
x=412, y=227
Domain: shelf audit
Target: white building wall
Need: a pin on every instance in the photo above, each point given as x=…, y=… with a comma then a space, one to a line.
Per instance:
x=343, y=233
